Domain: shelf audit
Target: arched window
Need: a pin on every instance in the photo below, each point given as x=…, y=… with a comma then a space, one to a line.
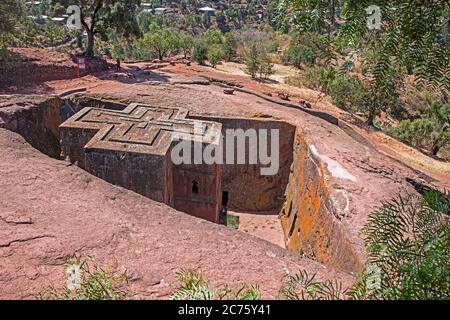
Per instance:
x=194, y=187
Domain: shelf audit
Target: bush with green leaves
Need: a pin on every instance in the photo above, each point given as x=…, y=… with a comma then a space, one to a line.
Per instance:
x=200, y=52
x=348, y=93
x=316, y=78
x=230, y=47
x=186, y=42
x=192, y=286
x=265, y=66
x=298, y=55
x=161, y=41
x=252, y=61
x=10, y=13
x=87, y=281
x=53, y=34
x=303, y=286
x=408, y=250
x=213, y=36
x=431, y=131
x=214, y=55
x=309, y=49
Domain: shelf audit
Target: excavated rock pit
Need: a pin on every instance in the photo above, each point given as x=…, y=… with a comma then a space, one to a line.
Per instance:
x=298, y=192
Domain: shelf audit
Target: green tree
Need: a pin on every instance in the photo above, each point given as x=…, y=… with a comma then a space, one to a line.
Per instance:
x=213, y=36
x=200, y=52
x=413, y=34
x=265, y=66
x=186, y=42
x=53, y=34
x=229, y=47
x=160, y=41
x=431, y=131
x=308, y=49
x=310, y=15
x=97, y=16
x=214, y=55
x=10, y=12
x=252, y=61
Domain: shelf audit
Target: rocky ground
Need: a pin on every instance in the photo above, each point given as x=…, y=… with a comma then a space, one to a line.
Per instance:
x=263, y=225
x=50, y=210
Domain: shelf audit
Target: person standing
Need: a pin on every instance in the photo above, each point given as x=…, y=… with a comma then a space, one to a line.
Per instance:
x=118, y=65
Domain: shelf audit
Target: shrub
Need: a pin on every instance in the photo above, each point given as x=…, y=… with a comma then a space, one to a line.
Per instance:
x=302, y=286
x=309, y=49
x=87, y=281
x=431, y=131
x=161, y=41
x=232, y=221
x=252, y=61
x=408, y=250
x=229, y=47
x=54, y=34
x=192, y=286
x=214, y=55
x=186, y=42
x=297, y=56
x=200, y=52
x=265, y=66
x=347, y=93
x=213, y=36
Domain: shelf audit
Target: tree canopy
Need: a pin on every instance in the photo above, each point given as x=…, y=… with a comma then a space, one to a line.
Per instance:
x=97, y=16
x=10, y=11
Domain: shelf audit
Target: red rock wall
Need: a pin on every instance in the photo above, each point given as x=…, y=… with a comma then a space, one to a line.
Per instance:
x=309, y=224
x=248, y=189
x=37, y=119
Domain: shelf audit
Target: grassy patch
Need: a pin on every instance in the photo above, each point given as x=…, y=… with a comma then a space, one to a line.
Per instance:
x=88, y=281
x=232, y=221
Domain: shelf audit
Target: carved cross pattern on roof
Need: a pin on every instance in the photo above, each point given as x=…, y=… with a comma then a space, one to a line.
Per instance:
x=141, y=128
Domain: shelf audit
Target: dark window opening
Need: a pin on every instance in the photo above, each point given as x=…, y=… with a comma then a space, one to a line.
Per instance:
x=194, y=187
x=225, y=198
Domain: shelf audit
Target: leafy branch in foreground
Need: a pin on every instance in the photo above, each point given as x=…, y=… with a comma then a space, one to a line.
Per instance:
x=87, y=281
x=302, y=286
x=413, y=34
x=192, y=286
x=408, y=250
